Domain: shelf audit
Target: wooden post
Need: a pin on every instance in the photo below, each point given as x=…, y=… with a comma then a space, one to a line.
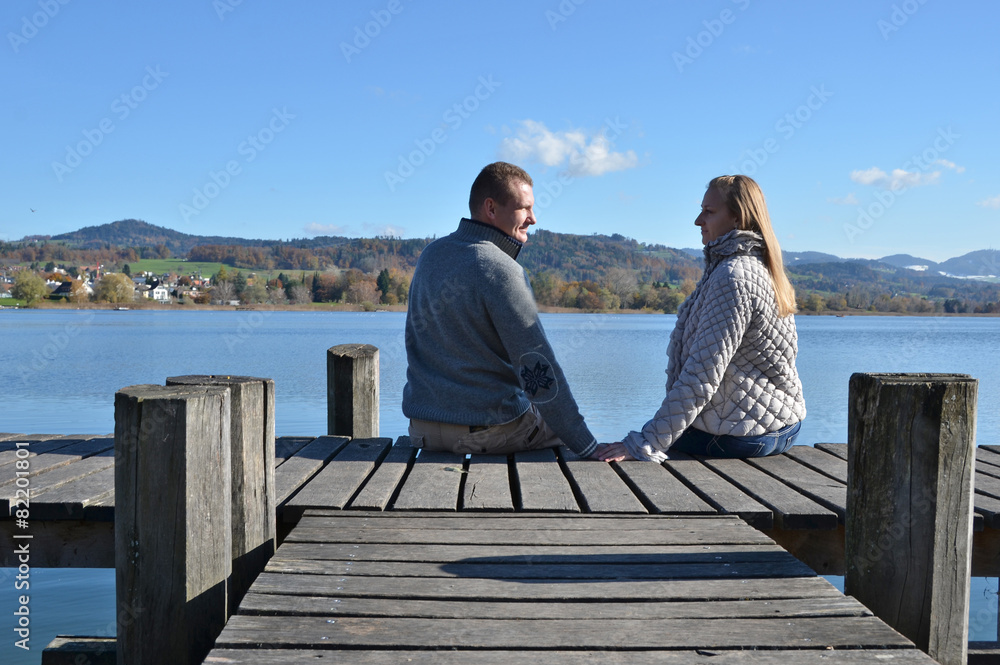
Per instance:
x=352, y=391
x=173, y=537
x=253, y=493
x=910, y=468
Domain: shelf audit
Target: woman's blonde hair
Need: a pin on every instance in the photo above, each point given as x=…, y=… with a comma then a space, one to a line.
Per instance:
x=744, y=198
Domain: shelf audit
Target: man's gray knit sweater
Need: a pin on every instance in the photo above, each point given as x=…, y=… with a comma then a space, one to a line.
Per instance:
x=476, y=351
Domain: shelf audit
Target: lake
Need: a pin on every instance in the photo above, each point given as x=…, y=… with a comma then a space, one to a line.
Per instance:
x=59, y=371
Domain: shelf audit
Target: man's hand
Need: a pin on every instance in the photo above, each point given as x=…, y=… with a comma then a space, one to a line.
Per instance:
x=612, y=452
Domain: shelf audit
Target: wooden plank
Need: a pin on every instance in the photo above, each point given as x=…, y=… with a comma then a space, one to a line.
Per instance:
x=487, y=485
x=601, y=633
x=302, y=551
x=381, y=487
x=433, y=482
x=62, y=544
x=821, y=656
x=70, y=500
x=987, y=461
x=321, y=532
x=719, y=492
x=303, y=465
x=837, y=449
x=791, y=509
x=55, y=477
x=39, y=443
x=484, y=590
x=77, y=449
x=819, y=487
x=541, y=484
x=286, y=446
x=820, y=460
x=770, y=565
x=339, y=480
x=777, y=608
x=599, y=487
x=663, y=492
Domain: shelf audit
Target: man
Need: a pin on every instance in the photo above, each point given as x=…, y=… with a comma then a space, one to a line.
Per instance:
x=481, y=376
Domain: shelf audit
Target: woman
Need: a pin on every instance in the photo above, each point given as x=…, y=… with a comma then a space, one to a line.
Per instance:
x=732, y=386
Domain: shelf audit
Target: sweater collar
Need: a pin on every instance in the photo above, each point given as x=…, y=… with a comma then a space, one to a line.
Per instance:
x=734, y=242
x=473, y=229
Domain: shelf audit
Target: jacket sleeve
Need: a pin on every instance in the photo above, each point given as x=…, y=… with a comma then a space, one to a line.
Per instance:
x=512, y=308
x=723, y=321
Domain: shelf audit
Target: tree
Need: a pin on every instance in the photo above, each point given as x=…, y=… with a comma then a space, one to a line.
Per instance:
x=384, y=284
x=223, y=293
x=78, y=292
x=29, y=287
x=115, y=288
x=254, y=293
x=300, y=294
x=623, y=283
x=362, y=292
x=127, y=270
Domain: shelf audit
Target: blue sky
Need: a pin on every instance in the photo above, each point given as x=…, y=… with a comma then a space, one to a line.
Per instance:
x=872, y=126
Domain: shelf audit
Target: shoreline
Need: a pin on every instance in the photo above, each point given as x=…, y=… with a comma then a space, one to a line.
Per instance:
x=340, y=307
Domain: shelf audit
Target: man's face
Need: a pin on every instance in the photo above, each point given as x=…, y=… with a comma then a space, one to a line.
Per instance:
x=516, y=216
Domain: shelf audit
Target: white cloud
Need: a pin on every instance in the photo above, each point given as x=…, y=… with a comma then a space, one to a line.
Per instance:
x=849, y=200
x=315, y=229
x=950, y=165
x=897, y=180
x=383, y=230
x=993, y=202
x=582, y=155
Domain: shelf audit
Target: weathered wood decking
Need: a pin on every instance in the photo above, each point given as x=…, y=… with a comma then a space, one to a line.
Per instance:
x=398, y=557
x=798, y=498
x=388, y=587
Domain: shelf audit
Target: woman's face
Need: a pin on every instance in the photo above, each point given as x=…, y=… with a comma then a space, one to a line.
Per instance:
x=715, y=219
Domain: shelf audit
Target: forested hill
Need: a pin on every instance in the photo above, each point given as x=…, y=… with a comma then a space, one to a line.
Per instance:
x=136, y=233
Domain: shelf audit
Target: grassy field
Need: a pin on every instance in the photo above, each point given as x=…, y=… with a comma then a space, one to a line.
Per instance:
x=179, y=266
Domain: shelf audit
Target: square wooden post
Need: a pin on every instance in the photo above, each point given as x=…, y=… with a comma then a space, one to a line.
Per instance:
x=352, y=391
x=910, y=469
x=173, y=535
x=253, y=493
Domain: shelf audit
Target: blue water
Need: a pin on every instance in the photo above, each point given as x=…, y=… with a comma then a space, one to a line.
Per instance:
x=59, y=371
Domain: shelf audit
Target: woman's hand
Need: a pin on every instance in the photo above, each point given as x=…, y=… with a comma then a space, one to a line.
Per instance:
x=612, y=452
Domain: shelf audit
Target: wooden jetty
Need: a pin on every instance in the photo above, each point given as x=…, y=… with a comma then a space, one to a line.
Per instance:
x=391, y=554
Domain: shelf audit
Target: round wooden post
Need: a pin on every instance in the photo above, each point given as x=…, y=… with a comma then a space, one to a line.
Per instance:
x=910, y=468
x=253, y=493
x=352, y=391
x=173, y=537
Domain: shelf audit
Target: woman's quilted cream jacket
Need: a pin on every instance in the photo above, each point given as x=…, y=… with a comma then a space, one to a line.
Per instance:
x=731, y=358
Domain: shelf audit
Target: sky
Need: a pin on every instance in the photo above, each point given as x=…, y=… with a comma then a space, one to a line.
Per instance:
x=871, y=125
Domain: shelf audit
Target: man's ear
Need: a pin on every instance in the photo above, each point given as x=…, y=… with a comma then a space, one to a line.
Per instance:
x=489, y=209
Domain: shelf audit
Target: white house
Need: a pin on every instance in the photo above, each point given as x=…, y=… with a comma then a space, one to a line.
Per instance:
x=161, y=293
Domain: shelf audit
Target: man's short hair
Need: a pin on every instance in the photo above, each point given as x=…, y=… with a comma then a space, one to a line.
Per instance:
x=496, y=181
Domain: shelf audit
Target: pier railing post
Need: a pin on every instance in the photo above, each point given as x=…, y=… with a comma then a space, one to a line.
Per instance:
x=352, y=390
x=252, y=456
x=173, y=536
x=911, y=462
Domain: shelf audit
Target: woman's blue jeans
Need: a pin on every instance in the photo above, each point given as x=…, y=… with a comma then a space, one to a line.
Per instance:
x=696, y=442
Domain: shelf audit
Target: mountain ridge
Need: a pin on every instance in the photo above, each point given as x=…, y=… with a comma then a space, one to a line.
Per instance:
x=138, y=233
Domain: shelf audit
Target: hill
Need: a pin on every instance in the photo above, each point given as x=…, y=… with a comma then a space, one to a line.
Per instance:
x=137, y=233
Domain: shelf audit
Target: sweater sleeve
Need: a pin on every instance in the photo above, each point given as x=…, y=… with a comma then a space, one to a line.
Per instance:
x=511, y=306
x=722, y=323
